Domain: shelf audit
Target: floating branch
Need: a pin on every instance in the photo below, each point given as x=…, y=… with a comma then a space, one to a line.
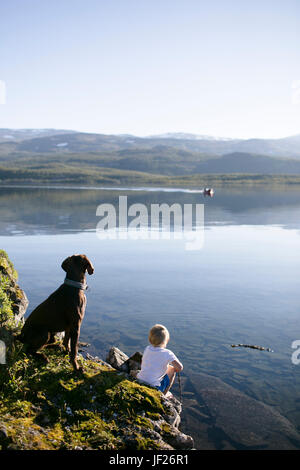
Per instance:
x=252, y=346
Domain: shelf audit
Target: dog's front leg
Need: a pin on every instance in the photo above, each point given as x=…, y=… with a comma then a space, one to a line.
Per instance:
x=66, y=341
x=74, y=336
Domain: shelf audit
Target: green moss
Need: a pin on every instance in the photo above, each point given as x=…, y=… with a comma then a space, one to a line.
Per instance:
x=90, y=429
x=132, y=396
x=6, y=311
x=8, y=277
x=166, y=428
x=6, y=266
x=144, y=422
x=143, y=443
x=24, y=433
x=50, y=407
x=153, y=416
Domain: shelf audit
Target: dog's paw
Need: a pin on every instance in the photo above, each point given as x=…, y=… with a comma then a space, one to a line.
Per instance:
x=79, y=371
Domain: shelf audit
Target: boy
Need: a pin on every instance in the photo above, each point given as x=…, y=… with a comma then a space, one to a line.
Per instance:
x=159, y=365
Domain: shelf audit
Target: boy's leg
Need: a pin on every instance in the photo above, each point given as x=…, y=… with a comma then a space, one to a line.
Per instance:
x=171, y=374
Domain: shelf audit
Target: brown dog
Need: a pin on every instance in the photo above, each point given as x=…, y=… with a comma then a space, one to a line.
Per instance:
x=62, y=311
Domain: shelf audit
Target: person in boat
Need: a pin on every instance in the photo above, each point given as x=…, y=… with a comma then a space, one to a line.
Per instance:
x=208, y=191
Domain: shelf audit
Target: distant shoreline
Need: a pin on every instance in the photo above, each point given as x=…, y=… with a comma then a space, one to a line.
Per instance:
x=144, y=182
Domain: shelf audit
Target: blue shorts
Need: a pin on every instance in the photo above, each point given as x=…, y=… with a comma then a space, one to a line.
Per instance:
x=164, y=383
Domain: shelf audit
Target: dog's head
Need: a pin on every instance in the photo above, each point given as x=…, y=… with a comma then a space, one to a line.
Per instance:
x=79, y=263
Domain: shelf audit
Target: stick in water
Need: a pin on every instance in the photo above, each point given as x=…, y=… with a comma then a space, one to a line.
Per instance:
x=252, y=346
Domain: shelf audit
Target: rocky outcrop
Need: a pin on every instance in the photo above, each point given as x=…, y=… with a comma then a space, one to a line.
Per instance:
x=13, y=305
x=48, y=407
x=119, y=360
x=166, y=426
x=13, y=300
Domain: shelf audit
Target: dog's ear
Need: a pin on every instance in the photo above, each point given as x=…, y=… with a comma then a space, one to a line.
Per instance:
x=66, y=264
x=88, y=266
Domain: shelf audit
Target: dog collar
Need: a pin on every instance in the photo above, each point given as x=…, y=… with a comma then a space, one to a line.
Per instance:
x=79, y=285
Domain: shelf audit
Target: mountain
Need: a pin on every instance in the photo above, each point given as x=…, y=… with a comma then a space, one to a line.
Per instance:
x=166, y=155
x=240, y=162
x=75, y=142
x=51, y=140
x=17, y=135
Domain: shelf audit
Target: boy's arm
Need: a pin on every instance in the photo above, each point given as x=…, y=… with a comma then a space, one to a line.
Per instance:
x=177, y=366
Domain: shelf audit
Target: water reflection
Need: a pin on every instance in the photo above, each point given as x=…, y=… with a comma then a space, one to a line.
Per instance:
x=45, y=210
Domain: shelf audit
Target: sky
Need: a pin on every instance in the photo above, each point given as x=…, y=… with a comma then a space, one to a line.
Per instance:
x=227, y=68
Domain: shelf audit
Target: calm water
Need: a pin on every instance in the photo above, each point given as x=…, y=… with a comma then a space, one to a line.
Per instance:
x=242, y=287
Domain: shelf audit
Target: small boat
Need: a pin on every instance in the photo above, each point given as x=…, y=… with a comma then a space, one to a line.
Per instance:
x=208, y=192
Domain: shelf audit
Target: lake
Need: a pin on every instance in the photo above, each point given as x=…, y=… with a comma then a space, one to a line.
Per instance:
x=241, y=287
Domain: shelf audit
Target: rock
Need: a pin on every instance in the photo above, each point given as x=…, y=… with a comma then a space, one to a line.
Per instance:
x=5, y=440
x=83, y=345
x=166, y=428
x=174, y=410
x=3, y=433
x=178, y=440
x=60, y=336
x=97, y=359
x=133, y=363
x=134, y=373
x=14, y=293
x=116, y=358
x=120, y=361
x=20, y=307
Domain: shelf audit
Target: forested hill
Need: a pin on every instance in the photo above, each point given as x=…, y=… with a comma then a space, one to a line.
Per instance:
x=53, y=140
x=68, y=156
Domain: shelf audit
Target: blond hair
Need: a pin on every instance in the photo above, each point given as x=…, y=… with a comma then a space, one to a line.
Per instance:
x=158, y=335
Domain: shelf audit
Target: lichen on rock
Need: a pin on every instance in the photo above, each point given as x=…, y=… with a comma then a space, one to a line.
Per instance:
x=13, y=300
x=13, y=305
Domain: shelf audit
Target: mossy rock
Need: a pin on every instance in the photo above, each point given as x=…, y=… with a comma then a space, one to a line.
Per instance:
x=9, y=291
x=6, y=266
x=13, y=301
x=50, y=407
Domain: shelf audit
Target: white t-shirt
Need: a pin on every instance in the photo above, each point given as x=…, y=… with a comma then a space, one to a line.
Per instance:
x=154, y=364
